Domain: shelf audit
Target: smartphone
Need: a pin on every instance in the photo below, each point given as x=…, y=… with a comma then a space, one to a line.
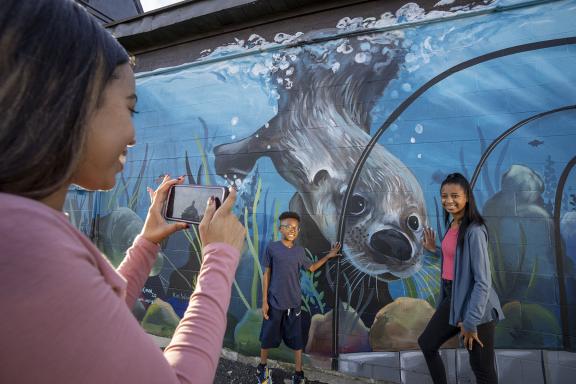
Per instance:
x=187, y=203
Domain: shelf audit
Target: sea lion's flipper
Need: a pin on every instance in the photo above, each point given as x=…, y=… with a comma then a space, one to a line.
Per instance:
x=239, y=157
x=235, y=158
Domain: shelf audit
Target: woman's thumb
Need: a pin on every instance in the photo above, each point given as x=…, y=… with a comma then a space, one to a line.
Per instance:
x=175, y=227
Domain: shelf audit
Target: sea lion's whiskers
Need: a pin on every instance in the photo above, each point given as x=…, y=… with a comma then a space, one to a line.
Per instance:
x=357, y=279
x=376, y=284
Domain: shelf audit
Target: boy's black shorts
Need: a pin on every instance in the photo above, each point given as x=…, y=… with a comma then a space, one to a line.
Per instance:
x=282, y=325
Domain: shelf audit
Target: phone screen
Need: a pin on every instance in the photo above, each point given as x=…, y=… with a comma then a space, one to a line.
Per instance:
x=188, y=202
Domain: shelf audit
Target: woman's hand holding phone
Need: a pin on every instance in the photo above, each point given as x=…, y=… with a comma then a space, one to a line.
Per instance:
x=222, y=226
x=218, y=225
x=156, y=228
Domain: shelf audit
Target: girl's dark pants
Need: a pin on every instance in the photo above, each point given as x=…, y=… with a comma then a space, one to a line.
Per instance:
x=439, y=330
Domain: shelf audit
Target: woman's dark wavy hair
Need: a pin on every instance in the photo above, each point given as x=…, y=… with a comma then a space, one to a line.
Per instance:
x=55, y=61
x=471, y=213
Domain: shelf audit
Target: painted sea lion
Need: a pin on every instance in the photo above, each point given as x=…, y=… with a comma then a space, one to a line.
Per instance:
x=321, y=128
x=326, y=90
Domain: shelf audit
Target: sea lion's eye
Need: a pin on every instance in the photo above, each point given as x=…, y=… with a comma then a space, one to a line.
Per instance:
x=356, y=205
x=413, y=222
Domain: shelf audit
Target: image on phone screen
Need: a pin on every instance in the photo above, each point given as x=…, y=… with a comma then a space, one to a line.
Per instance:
x=188, y=202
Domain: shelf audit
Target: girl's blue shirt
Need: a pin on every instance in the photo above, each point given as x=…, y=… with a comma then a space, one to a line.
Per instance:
x=474, y=301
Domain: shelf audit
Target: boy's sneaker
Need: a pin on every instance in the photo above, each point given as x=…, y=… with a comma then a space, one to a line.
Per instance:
x=263, y=374
x=298, y=378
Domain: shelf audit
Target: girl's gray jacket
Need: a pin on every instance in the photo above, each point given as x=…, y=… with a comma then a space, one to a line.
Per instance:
x=474, y=301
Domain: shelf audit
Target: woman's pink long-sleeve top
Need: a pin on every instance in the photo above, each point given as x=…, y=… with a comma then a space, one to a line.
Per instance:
x=66, y=315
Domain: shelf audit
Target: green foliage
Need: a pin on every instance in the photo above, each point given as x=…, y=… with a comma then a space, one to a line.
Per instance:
x=254, y=241
x=78, y=203
x=193, y=238
x=527, y=325
x=122, y=188
x=410, y=286
x=252, y=238
x=191, y=234
x=425, y=283
x=496, y=263
x=310, y=293
x=204, y=163
x=276, y=214
x=504, y=283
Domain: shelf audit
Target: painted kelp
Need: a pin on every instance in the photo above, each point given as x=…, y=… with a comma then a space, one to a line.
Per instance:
x=287, y=121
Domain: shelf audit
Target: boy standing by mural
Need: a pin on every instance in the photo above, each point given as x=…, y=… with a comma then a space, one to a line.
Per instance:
x=281, y=294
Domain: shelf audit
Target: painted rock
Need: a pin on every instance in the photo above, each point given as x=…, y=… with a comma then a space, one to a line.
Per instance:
x=160, y=319
x=398, y=325
x=353, y=333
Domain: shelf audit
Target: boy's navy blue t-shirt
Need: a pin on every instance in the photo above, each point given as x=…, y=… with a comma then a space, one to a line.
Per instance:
x=284, y=290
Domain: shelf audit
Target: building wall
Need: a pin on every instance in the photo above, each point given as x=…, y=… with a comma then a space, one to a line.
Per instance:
x=106, y=11
x=393, y=96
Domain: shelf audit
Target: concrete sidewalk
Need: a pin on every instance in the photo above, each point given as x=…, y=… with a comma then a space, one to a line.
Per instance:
x=239, y=365
x=518, y=366
x=314, y=374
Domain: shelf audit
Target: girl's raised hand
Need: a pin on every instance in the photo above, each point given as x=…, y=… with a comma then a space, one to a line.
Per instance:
x=429, y=240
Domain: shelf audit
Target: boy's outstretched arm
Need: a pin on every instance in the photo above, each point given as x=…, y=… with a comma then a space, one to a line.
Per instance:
x=333, y=253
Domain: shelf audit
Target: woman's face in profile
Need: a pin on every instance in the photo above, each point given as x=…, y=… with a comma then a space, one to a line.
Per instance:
x=110, y=133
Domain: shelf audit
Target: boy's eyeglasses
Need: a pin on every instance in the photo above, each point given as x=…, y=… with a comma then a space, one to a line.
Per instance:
x=290, y=228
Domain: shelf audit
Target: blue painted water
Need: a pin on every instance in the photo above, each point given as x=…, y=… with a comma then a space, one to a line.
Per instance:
x=218, y=100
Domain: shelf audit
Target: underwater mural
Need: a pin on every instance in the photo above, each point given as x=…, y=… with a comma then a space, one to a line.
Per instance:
x=369, y=115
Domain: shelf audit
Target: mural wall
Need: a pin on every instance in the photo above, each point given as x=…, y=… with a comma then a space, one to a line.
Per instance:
x=370, y=114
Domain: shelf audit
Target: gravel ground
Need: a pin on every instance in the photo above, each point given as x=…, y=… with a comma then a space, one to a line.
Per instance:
x=235, y=372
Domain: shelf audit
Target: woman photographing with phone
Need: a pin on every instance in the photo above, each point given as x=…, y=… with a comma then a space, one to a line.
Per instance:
x=67, y=94
x=468, y=304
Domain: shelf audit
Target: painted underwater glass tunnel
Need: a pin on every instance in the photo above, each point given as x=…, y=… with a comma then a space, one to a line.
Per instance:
x=378, y=110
